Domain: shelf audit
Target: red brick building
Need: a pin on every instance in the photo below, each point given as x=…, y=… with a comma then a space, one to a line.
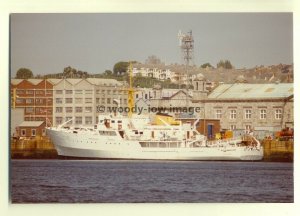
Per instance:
x=31, y=129
x=35, y=96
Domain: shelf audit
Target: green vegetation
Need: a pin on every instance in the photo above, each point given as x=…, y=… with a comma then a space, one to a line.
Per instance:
x=24, y=73
x=206, y=65
x=120, y=68
x=224, y=64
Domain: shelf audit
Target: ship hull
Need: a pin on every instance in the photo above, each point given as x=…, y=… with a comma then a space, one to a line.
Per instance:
x=88, y=146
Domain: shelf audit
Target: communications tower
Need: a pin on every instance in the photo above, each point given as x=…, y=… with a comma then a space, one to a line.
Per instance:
x=186, y=43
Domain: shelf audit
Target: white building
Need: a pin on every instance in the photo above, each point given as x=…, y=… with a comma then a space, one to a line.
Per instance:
x=158, y=73
x=82, y=100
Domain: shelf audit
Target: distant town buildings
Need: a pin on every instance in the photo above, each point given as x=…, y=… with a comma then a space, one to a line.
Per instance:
x=239, y=105
x=178, y=74
x=160, y=73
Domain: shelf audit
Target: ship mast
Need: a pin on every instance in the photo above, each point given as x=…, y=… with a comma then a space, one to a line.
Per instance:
x=130, y=92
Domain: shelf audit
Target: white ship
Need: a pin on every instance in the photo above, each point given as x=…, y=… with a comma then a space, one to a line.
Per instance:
x=118, y=137
x=135, y=137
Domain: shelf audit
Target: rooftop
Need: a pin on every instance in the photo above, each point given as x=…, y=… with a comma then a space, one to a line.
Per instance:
x=31, y=123
x=73, y=81
x=252, y=91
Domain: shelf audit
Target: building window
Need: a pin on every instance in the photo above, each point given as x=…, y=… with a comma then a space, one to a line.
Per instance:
x=88, y=100
x=49, y=92
x=58, y=91
x=39, y=101
x=97, y=100
x=88, y=91
x=88, y=120
x=69, y=118
x=19, y=100
x=29, y=92
x=88, y=109
x=278, y=113
x=23, y=132
x=102, y=100
x=58, y=100
x=78, y=100
x=97, y=119
x=20, y=92
x=29, y=110
x=78, y=91
x=218, y=114
x=69, y=109
x=78, y=109
x=69, y=91
x=232, y=127
x=248, y=114
x=263, y=114
x=232, y=114
x=29, y=101
x=33, y=132
x=248, y=128
x=39, y=110
x=39, y=92
x=58, y=109
x=49, y=110
x=69, y=100
x=43, y=132
x=58, y=120
x=78, y=120
x=108, y=100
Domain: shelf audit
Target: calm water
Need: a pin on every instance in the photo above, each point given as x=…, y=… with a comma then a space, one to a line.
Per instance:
x=74, y=181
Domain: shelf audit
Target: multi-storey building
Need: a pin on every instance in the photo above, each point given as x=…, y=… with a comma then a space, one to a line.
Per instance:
x=82, y=100
x=59, y=100
x=35, y=96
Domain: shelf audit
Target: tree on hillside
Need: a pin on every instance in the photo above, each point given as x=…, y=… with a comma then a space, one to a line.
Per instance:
x=206, y=65
x=120, y=68
x=108, y=72
x=69, y=72
x=224, y=64
x=24, y=73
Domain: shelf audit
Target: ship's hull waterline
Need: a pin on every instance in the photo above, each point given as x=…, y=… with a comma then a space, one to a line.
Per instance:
x=89, y=146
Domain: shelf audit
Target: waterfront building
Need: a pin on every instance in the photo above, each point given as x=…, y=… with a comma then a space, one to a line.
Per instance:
x=238, y=106
x=35, y=96
x=58, y=100
x=82, y=100
x=244, y=106
x=30, y=129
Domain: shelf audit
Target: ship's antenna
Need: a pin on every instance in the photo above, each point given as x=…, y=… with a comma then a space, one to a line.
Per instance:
x=130, y=92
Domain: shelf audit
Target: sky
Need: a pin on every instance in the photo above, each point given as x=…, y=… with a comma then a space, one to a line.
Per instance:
x=47, y=43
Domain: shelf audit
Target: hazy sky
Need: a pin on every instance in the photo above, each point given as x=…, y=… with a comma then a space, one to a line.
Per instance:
x=46, y=43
